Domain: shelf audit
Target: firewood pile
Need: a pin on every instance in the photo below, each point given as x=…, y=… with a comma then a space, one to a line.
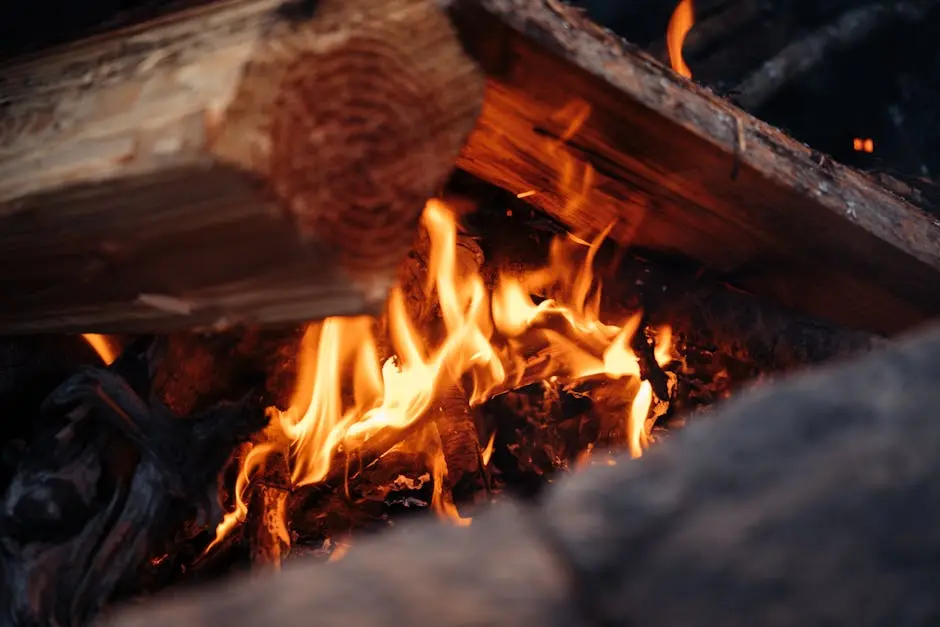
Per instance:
x=267, y=343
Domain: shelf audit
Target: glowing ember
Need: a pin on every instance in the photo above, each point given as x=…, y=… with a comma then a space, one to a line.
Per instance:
x=348, y=399
x=863, y=145
x=681, y=22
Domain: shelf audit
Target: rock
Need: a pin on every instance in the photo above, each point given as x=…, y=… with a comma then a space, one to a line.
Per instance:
x=812, y=501
x=495, y=572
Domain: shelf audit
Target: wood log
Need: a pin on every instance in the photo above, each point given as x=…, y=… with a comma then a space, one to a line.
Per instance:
x=603, y=134
x=268, y=533
x=248, y=160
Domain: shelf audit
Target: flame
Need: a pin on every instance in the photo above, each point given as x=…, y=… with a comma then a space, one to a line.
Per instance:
x=487, y=453
x=353, y=399
x=680, y=24
x=863, y=145
x=103, y=345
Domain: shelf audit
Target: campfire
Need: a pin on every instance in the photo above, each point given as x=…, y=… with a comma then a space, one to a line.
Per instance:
x=444, y=297
x=511, y=351
x=379, y=409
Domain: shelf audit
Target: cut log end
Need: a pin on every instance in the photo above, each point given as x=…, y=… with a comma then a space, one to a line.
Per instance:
x=243, y=164
x=360, y=128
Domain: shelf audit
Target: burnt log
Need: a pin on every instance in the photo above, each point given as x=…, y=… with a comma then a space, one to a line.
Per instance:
x=830, y=476
x=244, y=161
x=31, y=367
x=110, y=484
x=603, y=134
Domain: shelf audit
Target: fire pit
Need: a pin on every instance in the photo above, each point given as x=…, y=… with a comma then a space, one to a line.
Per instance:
x=617, y=251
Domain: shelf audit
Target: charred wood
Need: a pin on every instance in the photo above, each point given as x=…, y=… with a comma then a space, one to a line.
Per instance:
x=198, y=370
x=111, y=483
x=267, y=522
x=31, y=367
x=460, y=443
x=708, y=312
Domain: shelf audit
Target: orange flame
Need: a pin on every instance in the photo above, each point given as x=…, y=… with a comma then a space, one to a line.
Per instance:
x=345, y=394
x=103, y=346
x=681, y=22
x=863, y=145
x=548, y=321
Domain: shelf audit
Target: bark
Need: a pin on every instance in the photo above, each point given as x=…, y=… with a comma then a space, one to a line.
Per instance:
x=604, y=135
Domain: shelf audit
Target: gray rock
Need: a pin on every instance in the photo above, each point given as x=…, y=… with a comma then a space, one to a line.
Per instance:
x=813, y=501
x=496, y=572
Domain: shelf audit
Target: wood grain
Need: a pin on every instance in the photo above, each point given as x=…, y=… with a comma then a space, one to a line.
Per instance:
x=248, y=160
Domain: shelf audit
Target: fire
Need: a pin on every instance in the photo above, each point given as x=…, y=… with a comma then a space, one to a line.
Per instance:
x=681, y=22
x=103, y=346
x=351, y=400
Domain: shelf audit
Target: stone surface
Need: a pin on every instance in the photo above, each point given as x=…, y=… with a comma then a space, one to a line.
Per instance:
x=496, y=572
x=812, y=501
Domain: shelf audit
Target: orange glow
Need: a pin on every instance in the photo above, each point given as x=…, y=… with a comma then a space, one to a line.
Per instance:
x=863, y=145
x=349, y=395
x=103, y=345
x=681, y=22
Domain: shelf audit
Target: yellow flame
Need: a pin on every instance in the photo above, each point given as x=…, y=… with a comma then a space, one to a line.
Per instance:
x=681, y=22
x=103, y=345
x=347, y=393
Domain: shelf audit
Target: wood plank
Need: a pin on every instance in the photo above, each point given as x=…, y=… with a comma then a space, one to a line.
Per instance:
x=678, y=169
x=244, y=161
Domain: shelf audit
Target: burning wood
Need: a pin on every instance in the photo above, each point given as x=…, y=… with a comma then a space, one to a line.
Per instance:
x=554, y=365
x=361, y=415
x=675, y=168
x=529, y=357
